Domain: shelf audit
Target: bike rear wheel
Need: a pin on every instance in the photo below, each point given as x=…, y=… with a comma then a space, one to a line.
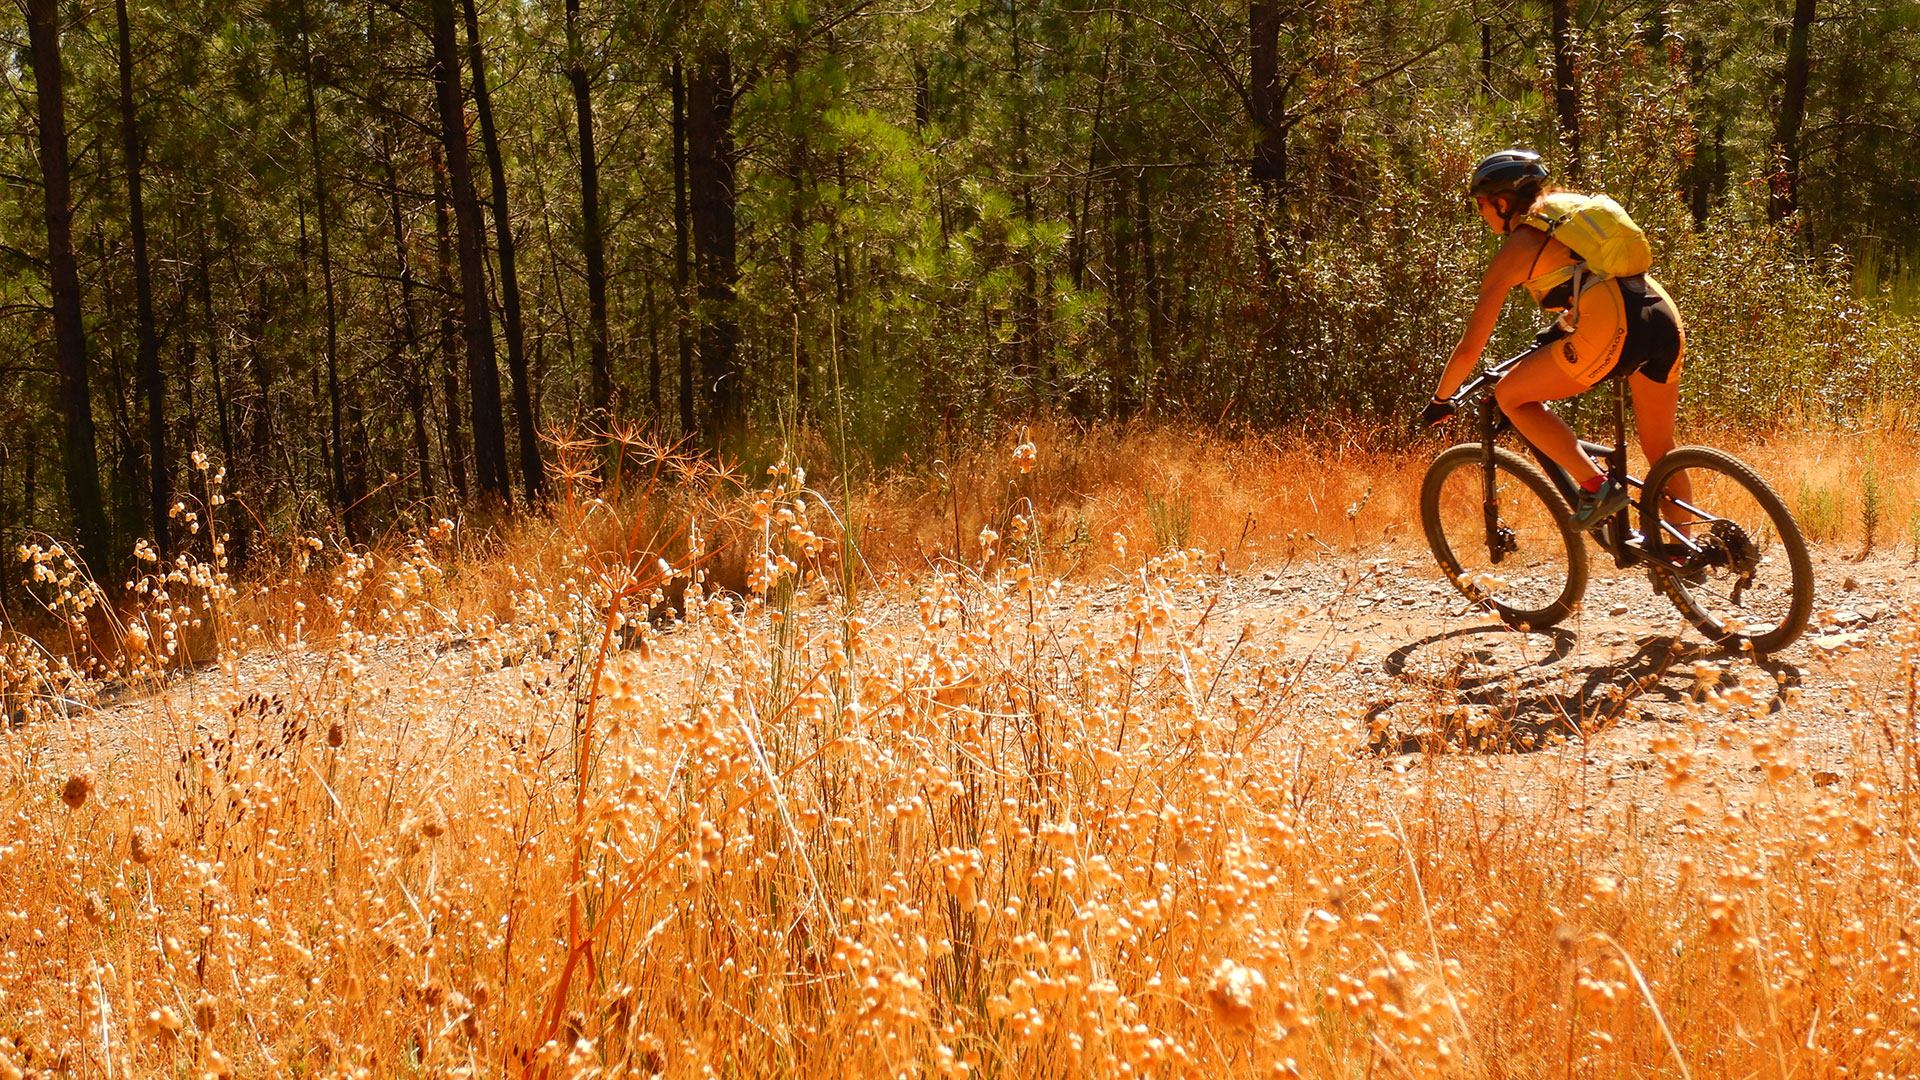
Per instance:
x=1533, y=570
x=1731, y=558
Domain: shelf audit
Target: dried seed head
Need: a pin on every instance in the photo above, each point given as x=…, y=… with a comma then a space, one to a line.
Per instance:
x=336, y=735
x=1232, y=994
x=142, y=846
x=94, y=908
x=1566, y=938
x=79, y=786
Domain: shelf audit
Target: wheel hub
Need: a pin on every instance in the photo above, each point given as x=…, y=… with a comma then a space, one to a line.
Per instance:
x=1727, y=545
x=1504, y=542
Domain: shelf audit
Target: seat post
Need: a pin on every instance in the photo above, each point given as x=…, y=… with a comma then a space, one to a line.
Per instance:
x=1617, y=461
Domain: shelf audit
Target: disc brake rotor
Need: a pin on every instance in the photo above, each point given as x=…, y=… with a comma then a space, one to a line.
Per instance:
x=1727, y=545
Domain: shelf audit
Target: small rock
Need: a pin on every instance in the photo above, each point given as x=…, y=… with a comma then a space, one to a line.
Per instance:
x=1847, y=617
x=1833, y=642
x=1617, y=610
x=1851, y=583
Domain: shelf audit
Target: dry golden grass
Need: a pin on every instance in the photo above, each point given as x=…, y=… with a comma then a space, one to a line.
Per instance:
x=982, y=830
x=1275, y=499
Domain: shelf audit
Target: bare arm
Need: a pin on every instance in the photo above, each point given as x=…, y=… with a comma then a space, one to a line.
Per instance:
x=1513, y=265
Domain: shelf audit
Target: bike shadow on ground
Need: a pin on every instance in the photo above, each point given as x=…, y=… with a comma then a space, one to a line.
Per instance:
x=1499, y=690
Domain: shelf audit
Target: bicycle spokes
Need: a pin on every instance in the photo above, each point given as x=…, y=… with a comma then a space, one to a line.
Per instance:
x=1728, y=553
x=1503, y=537
x=1501, y=541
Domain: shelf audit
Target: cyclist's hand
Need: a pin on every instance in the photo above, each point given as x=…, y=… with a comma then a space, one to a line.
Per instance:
x=1435, y=414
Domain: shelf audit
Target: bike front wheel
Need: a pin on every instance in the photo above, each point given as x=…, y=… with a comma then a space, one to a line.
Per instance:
x=1724, y=548
x=1531, y=565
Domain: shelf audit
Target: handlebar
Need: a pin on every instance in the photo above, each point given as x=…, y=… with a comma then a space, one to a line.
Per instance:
x=1485, y=379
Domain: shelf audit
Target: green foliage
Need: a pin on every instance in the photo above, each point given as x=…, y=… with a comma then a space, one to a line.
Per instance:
x=1873, y=501
x=1171, y=519
x=1821, y=510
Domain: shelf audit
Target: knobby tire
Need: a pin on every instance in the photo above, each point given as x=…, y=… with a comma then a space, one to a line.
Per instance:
x=1516, y=478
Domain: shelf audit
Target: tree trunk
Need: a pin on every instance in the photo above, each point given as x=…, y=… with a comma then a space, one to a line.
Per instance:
x=554, y=268
x=711, y=197
x=1566, y=95
x=260, y=438
x=79, y=457
x=796, y=254
x=1027, y=347
x=222, y=399
x=1150, y=277
x=189, y=433
x=125, y=487
x=1126, y=357
x=483, y=372
x=533, y=475
x=593, y=242
x=683, y=322
x=349, y=513
x=355, y=452
x=1267, y=98
x=653, y=361
x=1783, y=201
x=159, y=487
x=922, y=96
x=450, y=439
x=409, y=367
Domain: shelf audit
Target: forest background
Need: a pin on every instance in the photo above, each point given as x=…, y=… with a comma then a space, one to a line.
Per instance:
x=370, y=256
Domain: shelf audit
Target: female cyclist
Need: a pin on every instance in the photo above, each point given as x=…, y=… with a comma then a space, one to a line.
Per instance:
x=1615, y=325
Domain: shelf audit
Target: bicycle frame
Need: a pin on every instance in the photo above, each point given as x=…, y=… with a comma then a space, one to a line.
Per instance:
x=1616, y=535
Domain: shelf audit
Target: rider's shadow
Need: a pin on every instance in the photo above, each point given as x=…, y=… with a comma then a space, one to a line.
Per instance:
x=1507, y=694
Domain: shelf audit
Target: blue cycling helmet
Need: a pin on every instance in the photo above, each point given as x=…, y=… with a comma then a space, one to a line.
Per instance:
x=1500, y=173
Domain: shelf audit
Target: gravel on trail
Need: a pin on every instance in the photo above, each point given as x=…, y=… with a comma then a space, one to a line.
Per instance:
x=1382, y=635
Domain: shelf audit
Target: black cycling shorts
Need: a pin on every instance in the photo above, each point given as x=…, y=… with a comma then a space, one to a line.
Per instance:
x=1625, y=325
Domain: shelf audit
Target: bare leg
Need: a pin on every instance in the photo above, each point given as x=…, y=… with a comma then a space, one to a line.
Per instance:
x=1654, y=405
x=1537, y=379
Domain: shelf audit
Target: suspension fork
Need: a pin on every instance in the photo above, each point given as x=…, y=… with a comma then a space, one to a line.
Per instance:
x=1489, y=493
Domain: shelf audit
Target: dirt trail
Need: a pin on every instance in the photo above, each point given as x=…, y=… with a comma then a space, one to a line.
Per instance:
x=1385, y=639
x=1608, y=681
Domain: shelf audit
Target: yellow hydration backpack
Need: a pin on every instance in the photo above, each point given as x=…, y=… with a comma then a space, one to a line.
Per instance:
x=1597, y=230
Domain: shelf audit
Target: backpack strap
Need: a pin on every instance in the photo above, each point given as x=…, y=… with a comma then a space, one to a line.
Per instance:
x=1584, y=277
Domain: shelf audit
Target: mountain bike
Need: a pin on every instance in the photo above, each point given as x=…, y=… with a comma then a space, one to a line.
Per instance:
x=1729, y=555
